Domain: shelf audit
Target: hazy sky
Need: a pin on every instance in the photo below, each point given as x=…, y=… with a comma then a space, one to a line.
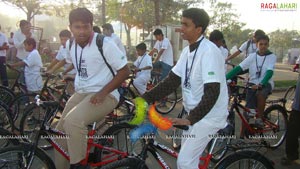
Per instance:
x=250, y=12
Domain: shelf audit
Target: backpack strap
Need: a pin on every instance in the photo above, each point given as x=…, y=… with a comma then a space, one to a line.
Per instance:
x=248, y=45
x=99, y=42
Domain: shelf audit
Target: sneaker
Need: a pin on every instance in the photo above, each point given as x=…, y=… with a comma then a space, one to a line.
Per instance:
x=259, y=123
x=286, y=161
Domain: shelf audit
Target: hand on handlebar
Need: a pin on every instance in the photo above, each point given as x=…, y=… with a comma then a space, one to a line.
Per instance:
x=256, y=87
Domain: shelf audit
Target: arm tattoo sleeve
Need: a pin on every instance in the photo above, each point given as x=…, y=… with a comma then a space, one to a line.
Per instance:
x=162, y=89
x=208, y=100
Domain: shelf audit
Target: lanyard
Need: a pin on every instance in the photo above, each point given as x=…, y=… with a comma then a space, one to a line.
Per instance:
x=139, y=63
x=188, y=72
x=259, y=68
x=78, y=65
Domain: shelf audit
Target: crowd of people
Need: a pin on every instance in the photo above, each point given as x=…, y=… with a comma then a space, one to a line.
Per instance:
x=99, y=66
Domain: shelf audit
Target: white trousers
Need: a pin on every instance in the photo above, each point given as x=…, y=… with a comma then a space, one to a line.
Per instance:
x=195, y=142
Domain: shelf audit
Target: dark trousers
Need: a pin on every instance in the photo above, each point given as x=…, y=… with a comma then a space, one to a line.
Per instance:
x=293, y=132
x=3, y=73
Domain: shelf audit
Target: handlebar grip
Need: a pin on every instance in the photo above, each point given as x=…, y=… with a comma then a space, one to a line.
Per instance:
x=182, y=127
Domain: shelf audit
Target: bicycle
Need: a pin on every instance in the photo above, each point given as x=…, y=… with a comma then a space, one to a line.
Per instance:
x=289, y=98
x=8, y=94
x=274, y=119
x=164, y=106
x=152, y=146
x=44, y=130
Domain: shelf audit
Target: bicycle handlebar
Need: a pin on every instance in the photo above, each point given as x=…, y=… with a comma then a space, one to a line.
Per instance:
x=182, y=127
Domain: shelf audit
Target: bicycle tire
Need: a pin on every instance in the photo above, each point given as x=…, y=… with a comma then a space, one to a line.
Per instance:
x=128, y=163
x=281, y=120
x=167, y=104
x=6, y=121
x=31, y=119
x=7, y=138
x=118, y=138
x=18, y=105
x=20, y=152
x=245, y=159
x=6, y=95
x=289, y=98
x=220, y=148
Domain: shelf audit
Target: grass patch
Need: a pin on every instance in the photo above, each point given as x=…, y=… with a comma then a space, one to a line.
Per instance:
x=284, y=83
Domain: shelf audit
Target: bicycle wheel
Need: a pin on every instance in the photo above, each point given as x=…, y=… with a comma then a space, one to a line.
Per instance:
x=6, y=95
x=6, y=121
x=128, y=163
x=18, y=157
x=275, y=114
x=19, y=104
x=7, y=138
x=220, y=147
x=167, y=104
x=117, y=136
x=32, y=118
x=245, y=159
x=289, y=97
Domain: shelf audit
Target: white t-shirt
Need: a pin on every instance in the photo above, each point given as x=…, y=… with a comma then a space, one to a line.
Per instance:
x=208, y=67
x=95, y=74
x=33, y=78
x=118, y=42
x=167, y=55
x=251, y=49
x=3, y=39
x=256, y=63
x=141, y=62
x=61, y=55
x=19, y=38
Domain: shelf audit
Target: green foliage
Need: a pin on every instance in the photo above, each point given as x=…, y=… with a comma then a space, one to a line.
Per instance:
x=281, y=41
x=284, y=83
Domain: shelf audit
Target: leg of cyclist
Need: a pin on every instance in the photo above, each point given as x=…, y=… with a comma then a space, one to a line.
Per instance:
x=75, y=120
x=140, y=83
x=194, y=143
x=262, y=96
x=293, y=131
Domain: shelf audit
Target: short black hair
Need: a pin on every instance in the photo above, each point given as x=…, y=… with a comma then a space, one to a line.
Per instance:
x=65, y=33
x=199, y=17
x=108, y=26
x=82, y=15
x=97, y=29
x=158, y=32
x=23, y=23
x=263, y=37
x=141, y=46
x=216, y=35
x=258, y=33
x=30, y=41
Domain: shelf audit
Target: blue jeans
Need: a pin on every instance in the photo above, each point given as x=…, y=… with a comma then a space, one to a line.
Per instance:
x=165, y=68
x=3, y=73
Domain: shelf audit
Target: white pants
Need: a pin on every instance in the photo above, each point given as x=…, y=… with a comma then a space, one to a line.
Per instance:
x=140, y=83
x=193, y=146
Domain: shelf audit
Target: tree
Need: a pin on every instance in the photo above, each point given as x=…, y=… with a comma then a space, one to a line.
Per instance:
x=225, y=19
x=139, y=13
x=281, y=41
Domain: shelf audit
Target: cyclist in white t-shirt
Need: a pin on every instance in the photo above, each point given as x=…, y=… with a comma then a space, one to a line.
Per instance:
x=261, y=66
x=96, y=92
x=165, y=58
x=62, y=53
x=108, y=31
x=33, y=64
x=249, y=46
x=142, y=67
x=200, y=72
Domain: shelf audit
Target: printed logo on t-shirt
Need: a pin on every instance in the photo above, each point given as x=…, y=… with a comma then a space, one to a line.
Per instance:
x=211, y=73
